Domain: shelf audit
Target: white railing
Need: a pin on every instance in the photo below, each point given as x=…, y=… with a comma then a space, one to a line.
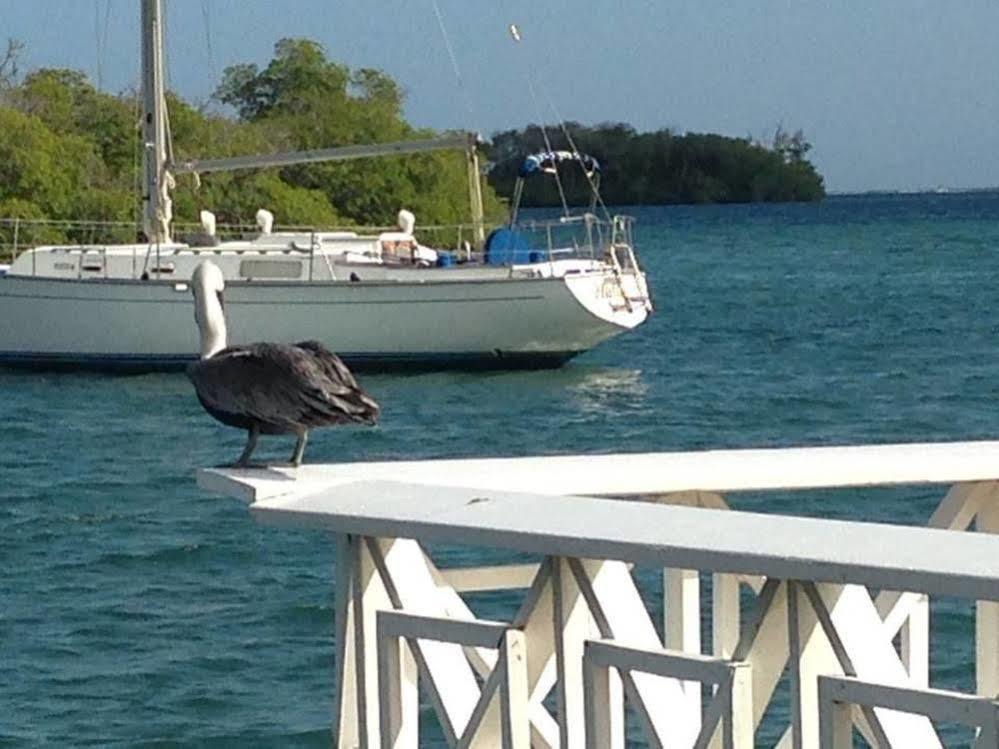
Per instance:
x=808, y=597
x=587, y=237
x=838, y=694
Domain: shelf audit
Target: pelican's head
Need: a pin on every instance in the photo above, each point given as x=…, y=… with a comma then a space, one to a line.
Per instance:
x=207, y=283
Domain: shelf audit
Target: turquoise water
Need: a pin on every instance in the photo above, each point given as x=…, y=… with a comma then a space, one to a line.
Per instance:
x=135, y=608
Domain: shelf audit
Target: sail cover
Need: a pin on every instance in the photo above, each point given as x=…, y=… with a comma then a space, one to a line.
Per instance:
x=547, y=162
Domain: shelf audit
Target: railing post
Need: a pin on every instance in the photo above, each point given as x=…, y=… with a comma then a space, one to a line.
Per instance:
x=17, y=227
x=514, y=690
x=345, y=725
x=835, y=721
x=915, y=641
x=398, y=694
x=725, y=615
x=987, y=619
x=682, y=625
x=572, y=627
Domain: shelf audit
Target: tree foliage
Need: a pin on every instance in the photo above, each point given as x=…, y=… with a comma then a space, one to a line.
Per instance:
x=662, y=167
x=302, y=100
x=70, y=151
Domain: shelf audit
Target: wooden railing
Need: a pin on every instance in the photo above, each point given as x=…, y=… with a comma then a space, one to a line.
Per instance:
x=840, y=606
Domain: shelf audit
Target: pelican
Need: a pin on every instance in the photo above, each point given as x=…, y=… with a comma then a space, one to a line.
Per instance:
x=269, y=388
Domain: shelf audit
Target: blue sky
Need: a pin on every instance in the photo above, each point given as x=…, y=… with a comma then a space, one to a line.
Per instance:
x=894, y=94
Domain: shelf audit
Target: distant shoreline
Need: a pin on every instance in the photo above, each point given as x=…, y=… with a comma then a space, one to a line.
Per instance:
x=924, y=191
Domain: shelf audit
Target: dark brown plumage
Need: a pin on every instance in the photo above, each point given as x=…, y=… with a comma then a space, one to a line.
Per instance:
x=269, y=388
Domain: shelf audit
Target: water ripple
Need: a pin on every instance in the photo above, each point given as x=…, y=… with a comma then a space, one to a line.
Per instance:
x=137, y=611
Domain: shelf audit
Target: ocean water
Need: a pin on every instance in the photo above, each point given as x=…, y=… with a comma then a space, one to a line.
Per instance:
x=137, y=610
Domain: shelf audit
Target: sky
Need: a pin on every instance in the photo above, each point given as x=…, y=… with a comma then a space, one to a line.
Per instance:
x=893, y=94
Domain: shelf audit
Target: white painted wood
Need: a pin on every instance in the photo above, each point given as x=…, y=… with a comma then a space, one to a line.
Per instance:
x=620, y=614
x=397, y=692
x=500, y=715
x=484, y=730
x=740, y=729
x=601, y=733
x=811, y=654
x=480, y=633
x=764, y=644
x=915, y=642
x=482, y=660
x=835, y=725
x=447, y=675
x=887, y=556
x=682, y=622
x=895, y=607
x=987, y=619
x=829, y=628
x=940, y=704
x=987, y=648
x=956, y=511
x=497, y=577
x=659, y=661
x=370, y=596
x=536, y=620
x=639, y=473
x=859, y=631
x=514, y=691
x=726, y=616
x=573, y=626
x=345, y=726
x=733, y=682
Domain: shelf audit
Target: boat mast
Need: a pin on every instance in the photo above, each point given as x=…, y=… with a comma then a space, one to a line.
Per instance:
x=155, y=134
x=475, y=191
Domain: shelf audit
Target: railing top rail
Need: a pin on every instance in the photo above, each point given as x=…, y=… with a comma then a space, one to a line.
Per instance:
x=891, y=557
x=629, y=474
x=249, y=228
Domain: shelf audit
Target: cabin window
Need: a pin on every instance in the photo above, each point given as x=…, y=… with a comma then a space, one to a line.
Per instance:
x=92, y=263
x=270, y=269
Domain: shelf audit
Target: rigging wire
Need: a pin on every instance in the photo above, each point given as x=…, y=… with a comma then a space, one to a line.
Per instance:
x=454, y=61
x=579, y=157
x=594, y=187
x=101, y=32
x=516, y=36
x=206, y=17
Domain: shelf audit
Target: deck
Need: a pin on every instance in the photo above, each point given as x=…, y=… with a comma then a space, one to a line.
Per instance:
x=843, y=606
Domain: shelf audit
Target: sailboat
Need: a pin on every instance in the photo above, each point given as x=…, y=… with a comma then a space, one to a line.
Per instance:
x=525, y=296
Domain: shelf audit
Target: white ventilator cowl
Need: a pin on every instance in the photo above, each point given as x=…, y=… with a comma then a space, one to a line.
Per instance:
x=265, y=221
x=208, y=222
x=406, y=221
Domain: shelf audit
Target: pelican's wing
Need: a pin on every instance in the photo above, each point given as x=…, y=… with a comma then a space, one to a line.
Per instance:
x=249, y=382
x=281, y=385
x=340, y=389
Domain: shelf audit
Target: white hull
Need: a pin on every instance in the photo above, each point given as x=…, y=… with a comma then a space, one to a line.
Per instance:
x=134, y=324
